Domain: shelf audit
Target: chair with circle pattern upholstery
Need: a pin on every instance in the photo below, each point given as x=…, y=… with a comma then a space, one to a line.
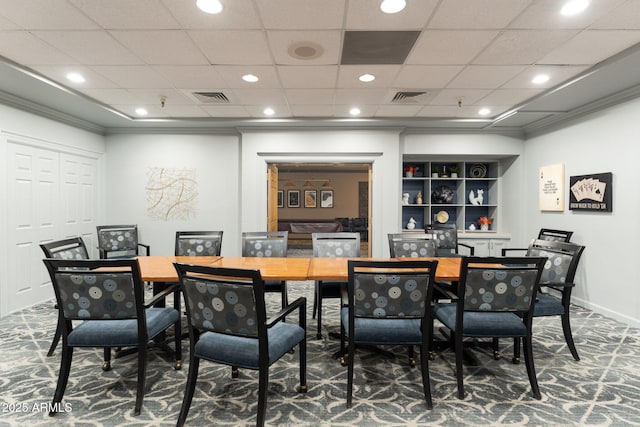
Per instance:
x=120, y=241
x=198, y=243
x=411, y=245
x=446, y=237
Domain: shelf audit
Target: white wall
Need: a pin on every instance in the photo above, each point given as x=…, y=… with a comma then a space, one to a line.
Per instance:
x=608, y=276
x=215, y=159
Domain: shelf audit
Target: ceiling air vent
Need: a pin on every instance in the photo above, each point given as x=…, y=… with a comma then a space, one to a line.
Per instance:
x=409, y=97
x=211, y=97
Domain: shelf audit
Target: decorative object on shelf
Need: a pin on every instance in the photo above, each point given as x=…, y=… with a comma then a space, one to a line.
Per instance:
x=419, y=198
x=434, y=171
x=444, y=172
x=478, y=198
x=405, y=198
x=409, y=171
x=478, y=170
x=472, y=227
x=484, y=222
x=442, y=217
x=455, y=169
x=442, y=194
x=411, y=224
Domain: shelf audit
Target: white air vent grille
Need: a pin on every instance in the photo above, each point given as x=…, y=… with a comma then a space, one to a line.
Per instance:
x=409, y=97
x=211, y=97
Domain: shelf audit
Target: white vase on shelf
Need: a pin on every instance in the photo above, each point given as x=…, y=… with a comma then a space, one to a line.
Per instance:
x=484, y=227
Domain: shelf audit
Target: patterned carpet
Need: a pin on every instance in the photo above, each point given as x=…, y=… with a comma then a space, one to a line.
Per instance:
x=602, y=389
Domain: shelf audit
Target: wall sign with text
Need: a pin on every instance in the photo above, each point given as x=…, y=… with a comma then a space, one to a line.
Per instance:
x=551, y=188
x=591, y=192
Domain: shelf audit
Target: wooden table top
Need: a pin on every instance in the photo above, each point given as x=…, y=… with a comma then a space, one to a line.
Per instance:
x=271, y=268
x=161, y=269
x=336, y=268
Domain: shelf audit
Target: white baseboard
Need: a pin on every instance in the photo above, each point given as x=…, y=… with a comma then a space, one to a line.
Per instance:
x=607, y=312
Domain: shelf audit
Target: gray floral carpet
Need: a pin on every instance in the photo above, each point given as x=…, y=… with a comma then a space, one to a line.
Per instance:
x=601, y=389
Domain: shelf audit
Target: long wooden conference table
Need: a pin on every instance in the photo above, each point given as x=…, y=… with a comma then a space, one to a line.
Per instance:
x=160, y=269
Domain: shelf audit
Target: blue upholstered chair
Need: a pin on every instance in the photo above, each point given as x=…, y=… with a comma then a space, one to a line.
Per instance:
x=228, y=325
x=411, y=245
x=446, y=237
x=389, y=304
x=198, y=243
x=101, y=303
x=268, y=244
x=73, y=248
x=556, y=283
x=119, y=241
x=496, y=298
x=331, y=245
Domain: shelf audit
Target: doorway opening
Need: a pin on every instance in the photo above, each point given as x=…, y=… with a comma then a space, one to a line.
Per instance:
x=319, y=197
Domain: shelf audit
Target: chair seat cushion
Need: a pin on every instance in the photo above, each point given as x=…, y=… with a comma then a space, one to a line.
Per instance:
x=481, y=324
x=243, y=351
x=121, y=332
x=384, y=331
x=547, y=305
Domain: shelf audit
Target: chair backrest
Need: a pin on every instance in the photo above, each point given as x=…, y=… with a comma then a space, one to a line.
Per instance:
x=504, y=284
x=224, y=300
x=98, y=289
x=336, y=245
x=390, y=289
x=73, y=248
x=265, y=243
x=411, y=245
x=198, y=243
x=446, y=237
x=555, y=235
x=562, y=260
x=121, y=239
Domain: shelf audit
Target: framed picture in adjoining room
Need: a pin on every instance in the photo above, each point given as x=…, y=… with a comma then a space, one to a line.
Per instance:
x=293, y=198
x=326, y=198
x=310, y=198
x=281, y=198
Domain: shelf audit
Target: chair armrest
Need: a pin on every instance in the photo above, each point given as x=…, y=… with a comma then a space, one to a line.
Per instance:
x=162, y=294
x=446, y=289
x=505, y=250
x=558, y=285
x=146, y=248
x=471, y=248
x=300, y=303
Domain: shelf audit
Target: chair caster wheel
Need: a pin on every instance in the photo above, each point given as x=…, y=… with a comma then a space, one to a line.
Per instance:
x=106, y=366
x=302, y=388
x=319, y=336
x=343, y=361
x=432, y=355
x=497, y=356
x=515, y=360
x=412, y=362
x=178, y=365
x=234, y=373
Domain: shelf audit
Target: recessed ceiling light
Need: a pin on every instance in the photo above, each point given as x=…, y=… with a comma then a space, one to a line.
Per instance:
x=250, y=78
x=367, y=78
x=269, y=111
x=141, y=111
x=540, y=79
x=209, y=6
x=392, y=6
x=76, y=77
x=484, y=112
x=355, y=111
x=573, y=7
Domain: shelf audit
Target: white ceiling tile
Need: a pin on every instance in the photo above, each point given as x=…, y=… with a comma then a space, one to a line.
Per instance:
x=545, y=14
x=445, y=111
x=181, y=110
x=582, y=48
x=362, y=96
x=264, y=97
x=509, y=96
x=449, y=47
x=476, y=14
x=6, y=24
x=89, y=47
x=316, y=77
x=312, y=110
x=310, y=96
x=127, y=14
x=153, y=47
x=484, y=76
x=366, y=15
x=233, y=47
x=398, y=110
x=329, y=41
x=236, y=14
x=132, y=76
x=153, y=97
x=45, y=15
x=625, y=16
x=93, y=80
x=112, y=96
x=24, y=48
x=301, y=14
x=225, y=110
x=348, y=76
x=426, y=76
x=557, y=75
x=522, y=47
x=452, y=96
x=232, y=76
x=190, y=76
x=281, y=111
x=344, y=110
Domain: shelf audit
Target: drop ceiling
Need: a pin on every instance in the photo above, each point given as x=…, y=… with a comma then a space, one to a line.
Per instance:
x=451, y=57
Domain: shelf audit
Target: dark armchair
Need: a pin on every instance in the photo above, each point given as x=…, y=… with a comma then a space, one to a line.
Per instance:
x=446, y=237
x=411, y=245
x=198, y=243
x=228, y=325
x=120, y=241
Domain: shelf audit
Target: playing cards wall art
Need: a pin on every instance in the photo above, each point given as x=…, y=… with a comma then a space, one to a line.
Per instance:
x=591, y=192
